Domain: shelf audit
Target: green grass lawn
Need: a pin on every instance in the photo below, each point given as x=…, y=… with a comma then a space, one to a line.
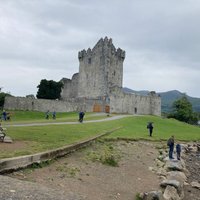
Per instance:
x=39, y=117
x=42, y=138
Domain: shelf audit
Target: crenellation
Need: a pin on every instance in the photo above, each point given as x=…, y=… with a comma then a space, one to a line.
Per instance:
x=89, y=52
x=120, y=54
x=81, y=54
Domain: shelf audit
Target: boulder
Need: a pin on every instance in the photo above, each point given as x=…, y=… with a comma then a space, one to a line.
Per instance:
x=177, y=175
x=195, y=184
x=170, y=193
x=175, y=165
x=153, y=195
x=176, y=184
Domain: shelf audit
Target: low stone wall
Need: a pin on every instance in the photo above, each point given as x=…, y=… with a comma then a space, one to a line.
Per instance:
x=10, y=164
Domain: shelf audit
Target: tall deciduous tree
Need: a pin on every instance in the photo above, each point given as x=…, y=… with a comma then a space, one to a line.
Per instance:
x=2, y=98
x=182, y=111
x=49, y=89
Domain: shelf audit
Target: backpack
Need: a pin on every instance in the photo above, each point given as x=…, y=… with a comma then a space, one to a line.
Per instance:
x=169, y=142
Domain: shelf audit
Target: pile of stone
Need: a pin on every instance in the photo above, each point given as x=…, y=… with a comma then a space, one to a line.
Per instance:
x=173, y=175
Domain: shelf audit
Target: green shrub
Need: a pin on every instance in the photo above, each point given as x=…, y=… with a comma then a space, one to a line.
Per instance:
x=137, y=197
x=106, y=154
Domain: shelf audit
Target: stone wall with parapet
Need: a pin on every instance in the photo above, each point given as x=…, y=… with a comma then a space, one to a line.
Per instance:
x=119, y=102
x=69, y=105
x=131, y=103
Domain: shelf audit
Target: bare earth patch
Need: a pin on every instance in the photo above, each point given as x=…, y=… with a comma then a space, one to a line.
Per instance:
x=83, y=172
x=16, y=148
x=13, y=146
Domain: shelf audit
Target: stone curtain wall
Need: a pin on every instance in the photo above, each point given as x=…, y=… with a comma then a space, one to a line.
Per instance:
x=119, y=102
x=69, y=105
x=130, y=103
x=22, y=103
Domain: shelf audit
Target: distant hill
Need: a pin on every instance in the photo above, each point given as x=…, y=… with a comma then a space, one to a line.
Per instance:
x=167, y=99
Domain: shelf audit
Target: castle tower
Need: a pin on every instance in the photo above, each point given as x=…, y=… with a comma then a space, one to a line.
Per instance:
x=100, y=69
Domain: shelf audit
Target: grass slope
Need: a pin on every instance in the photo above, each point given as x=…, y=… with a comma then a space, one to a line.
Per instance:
x=41, y=138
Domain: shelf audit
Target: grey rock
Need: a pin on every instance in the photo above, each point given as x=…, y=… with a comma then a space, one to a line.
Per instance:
x=170, y=193
x=175, y=165
x=153, y=195
x=195, y=184
x=177, y=175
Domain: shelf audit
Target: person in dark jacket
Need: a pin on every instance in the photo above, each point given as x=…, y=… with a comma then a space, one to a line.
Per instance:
x=47, y=115
x=4, y=115
x=150, y=127
x=178, y=151
x=170, y=144
x=81, y=115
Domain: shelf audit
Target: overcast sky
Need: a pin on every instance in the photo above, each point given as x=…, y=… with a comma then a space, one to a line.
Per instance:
x=40, y=39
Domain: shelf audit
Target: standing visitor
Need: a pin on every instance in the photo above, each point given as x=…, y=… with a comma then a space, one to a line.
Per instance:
x=47, y=115
x=4, y=115
x=178, y=151
x=170, y=144
x=54, y=115
x=150, y=127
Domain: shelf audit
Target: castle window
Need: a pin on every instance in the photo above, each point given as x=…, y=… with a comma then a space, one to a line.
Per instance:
x=135, y=110
x=114, y=73
x=89, y=60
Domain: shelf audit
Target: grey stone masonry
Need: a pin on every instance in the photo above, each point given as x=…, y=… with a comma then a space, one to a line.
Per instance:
x=100, y=69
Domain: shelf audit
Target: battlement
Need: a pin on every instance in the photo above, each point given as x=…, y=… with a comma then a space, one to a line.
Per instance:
x=105, y=47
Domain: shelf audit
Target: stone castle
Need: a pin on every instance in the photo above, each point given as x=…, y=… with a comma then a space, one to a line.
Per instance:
x=96, y=88
x=100, y=70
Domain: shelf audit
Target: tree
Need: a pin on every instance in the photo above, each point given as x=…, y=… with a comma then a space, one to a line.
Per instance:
x=2, y=98
x=49, y=89
x=182, y=111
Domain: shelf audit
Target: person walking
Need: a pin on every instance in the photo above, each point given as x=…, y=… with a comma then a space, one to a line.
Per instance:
x=170, y=144
x=81, y=115
x=150, y=127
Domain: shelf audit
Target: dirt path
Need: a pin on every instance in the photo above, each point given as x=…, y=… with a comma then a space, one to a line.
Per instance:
x=84, y=174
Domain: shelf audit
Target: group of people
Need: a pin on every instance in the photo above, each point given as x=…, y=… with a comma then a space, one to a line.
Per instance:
x=170, y=143
x=81, y=115
x=5, y=116
x=48, y=113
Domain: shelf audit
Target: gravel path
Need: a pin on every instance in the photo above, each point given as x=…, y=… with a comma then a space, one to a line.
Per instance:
x=59, y=123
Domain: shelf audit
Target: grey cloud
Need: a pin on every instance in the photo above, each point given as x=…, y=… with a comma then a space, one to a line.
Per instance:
x=158, y=36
